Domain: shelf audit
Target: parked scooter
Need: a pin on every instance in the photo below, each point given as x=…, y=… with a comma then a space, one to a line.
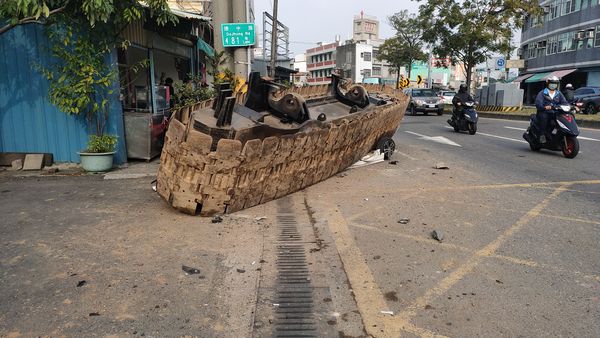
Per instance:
x=563, y=135
x=465, y=121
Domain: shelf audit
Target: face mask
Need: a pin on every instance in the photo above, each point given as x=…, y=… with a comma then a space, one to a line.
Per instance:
x=552, y=86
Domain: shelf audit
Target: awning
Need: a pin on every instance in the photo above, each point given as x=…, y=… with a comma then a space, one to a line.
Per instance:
x=205, y=47
x=522, y=77
x=561, y=73
x=188, y=15
x=538, y=77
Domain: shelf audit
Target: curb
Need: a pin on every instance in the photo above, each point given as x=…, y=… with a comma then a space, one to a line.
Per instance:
x=499, y=115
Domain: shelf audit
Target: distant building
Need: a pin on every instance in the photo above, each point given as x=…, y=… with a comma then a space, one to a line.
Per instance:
x=299, y=65
x=320, y=63
x=564, y=42
x=365, y=27
x=356, y=61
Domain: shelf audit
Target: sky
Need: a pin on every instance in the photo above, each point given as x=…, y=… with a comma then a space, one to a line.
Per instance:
x=312, y=21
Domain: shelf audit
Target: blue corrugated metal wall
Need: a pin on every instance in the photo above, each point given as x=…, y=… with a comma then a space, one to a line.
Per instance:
x=28, y=121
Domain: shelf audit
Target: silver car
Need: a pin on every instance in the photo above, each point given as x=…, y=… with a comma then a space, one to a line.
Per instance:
x=425, y=101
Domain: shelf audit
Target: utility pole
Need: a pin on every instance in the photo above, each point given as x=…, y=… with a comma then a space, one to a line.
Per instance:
x=240, y=57
x=222, y=14
x=429, y=79
x=274, y=39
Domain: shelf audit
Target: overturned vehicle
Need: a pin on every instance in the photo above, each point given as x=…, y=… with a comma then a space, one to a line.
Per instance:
x=220, y=156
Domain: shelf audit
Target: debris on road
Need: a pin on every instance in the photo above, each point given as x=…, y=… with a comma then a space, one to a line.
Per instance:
x=438, y=235
x=16, y=165
x=441, y=165
x=404, y=220
x=391, y=313
x=241, y=270
x=93, y=314
x=260, y=218
x=81, y=283
x=393, y=162
x=341, y=175
x=499, y=281
x=217, y=219
x=190, y=270
x=371, y=158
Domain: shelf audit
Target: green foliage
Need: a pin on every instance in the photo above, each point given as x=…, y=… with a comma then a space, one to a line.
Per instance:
x=406, y=46
x=470, y=31
x=80, y=79
x=101, y=144
x=90, y=13
x=191, y=92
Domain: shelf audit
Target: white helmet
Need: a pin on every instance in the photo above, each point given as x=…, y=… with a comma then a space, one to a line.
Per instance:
x=569, y=86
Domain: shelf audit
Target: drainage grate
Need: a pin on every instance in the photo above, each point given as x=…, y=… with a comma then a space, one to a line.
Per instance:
x=294, y=317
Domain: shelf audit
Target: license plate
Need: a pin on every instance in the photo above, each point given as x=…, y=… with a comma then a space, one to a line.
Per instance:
x=431, y=105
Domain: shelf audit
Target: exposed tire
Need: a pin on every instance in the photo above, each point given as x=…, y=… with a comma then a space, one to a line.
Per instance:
x=413, y=111
x=571, y=147
x=590, y=109
x=440, y=113
x=387, y=146
x=472, y=128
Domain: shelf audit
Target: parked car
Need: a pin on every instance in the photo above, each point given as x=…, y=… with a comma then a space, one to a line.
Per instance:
x=447, y=96
x=588, y=99
x=425, y=101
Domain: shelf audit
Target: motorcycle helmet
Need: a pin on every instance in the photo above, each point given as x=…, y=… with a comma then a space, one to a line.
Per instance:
x=569, y=86
x=552, y=82
x=462, y=88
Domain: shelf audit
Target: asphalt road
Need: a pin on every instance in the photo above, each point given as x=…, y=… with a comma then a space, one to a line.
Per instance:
x=519, y=255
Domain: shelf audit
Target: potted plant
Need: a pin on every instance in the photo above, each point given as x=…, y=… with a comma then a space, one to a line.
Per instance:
x=81, y=83
x=99, y=153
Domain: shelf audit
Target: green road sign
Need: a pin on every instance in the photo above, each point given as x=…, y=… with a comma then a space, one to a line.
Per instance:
x=237, y=34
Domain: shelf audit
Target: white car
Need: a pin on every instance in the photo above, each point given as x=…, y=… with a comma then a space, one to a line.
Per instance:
x=447, y=96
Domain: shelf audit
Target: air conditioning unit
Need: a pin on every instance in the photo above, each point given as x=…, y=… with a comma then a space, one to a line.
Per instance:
x=580, y=35
x=520, y=52
x=589, y=34
x=541, y=44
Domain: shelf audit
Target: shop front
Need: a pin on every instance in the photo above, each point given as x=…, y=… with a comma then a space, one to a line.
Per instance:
x=156, y=59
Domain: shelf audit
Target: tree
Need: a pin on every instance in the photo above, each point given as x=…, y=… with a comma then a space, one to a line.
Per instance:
x=469, y=31
x=406, y=46
x=92, y=12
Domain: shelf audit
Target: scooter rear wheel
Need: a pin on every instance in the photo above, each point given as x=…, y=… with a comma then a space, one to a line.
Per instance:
x=570, y=148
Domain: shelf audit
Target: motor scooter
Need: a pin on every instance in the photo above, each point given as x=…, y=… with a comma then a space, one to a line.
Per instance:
x=563, y=132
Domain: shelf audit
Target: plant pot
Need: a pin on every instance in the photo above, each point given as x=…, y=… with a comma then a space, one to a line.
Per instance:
x=96, y=162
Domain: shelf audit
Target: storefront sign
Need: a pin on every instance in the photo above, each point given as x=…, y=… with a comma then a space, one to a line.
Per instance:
x=237, y=34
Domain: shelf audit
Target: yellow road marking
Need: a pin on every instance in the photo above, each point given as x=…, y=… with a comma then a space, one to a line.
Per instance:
x=369, y=298
x=481, y=187
x=487, y=251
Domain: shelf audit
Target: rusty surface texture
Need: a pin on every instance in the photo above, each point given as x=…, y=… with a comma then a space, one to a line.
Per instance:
x=196, y=178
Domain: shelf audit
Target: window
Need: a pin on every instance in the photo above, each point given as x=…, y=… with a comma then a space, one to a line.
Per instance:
x=367, y=72
x=375, y=55
x=597, y=43
x=366, y=56
x=376, y=71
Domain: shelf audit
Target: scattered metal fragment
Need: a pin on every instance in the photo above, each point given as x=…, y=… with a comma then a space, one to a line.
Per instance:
x=93, y=314
x=241, y=270
x=190, y=270
x=81, y=283
x=404, y=220
x=441, y=165
x=393, y=162
x=217, y=219
x=391, y=313
x=438, y=235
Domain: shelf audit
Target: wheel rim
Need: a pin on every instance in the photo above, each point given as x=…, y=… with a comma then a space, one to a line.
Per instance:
x=589, y=109
x=569, y=146
x=388, y=148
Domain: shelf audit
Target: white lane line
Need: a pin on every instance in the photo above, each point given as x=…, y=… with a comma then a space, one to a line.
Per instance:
x=579, y=137
x=502, y=137
x=438, y=139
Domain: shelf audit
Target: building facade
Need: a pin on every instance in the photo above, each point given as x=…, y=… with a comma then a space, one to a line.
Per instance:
x=320, y=63
x=356, y=61
x=365, y=27
x=564, y=42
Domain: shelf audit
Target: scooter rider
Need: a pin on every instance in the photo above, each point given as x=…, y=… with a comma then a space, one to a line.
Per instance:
x=544, y=102
x=461, y=97
x=570, y=93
